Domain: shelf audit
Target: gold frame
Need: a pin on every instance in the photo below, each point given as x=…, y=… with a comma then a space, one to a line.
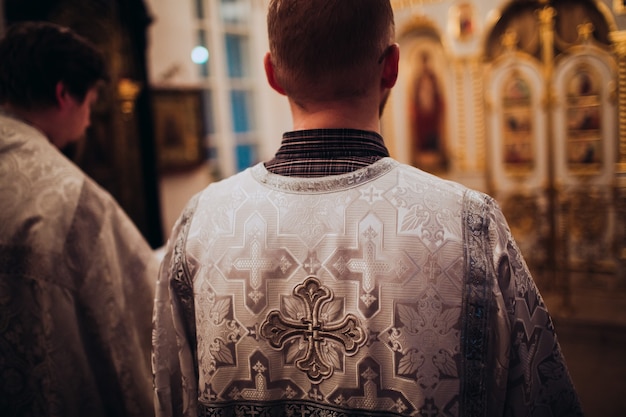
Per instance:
x=178, y=127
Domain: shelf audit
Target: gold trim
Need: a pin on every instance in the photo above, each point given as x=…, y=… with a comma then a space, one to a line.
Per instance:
x=607, y=14
x=509, y=40
x=399, y=4
x=585, y=32
x=546, y=17
x=619, y=42
x=421, y=22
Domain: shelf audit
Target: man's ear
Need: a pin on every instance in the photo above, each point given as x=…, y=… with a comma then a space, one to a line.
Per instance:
x=269, y=73
x=390, y=69
x=62, y=95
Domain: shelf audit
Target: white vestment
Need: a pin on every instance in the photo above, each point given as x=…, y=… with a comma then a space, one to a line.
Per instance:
x=76, y=289
x=382, y=292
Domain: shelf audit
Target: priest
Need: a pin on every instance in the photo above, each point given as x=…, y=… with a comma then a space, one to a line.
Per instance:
x=76, y=276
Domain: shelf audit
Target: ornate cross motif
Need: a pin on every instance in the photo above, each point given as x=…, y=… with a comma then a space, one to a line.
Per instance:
x=370, y=265
x=255, y=263
x=371, y=195
x=347, y=333
x=420, y=328
x=370, y=395
x=259, y=386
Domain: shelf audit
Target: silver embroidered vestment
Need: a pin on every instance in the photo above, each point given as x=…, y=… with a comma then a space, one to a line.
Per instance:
x=386, y=291
x=76, y=289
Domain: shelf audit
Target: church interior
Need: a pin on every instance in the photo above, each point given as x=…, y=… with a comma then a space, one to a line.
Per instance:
x=522, y=99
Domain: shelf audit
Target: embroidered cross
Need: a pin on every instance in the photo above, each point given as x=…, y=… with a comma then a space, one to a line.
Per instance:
x=255, y=263
x=348, y=333
x=371, y=195
x=371, y=265
x=429, y=409
x=420, y=328
x=369, y=394
x=432, y=269
x=260, y=392
x=259, y=386
x=312, y=264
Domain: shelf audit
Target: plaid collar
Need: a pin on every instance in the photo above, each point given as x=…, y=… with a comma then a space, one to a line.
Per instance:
x=322, y=152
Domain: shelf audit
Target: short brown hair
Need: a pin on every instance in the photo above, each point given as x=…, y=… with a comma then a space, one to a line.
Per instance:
x=328, y=49
x=35, y=56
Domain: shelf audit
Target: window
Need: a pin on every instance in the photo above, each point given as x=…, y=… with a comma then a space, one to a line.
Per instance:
x=203, y=65
x=235, y=11
x=223, y=28
x=226, y=78
x=237, y=53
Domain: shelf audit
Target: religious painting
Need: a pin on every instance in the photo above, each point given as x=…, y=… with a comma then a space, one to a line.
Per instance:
x=427, y=106
x=517, y=125
x=178, y=127
x=462, y=21
x=584, y=138
x=619, y=6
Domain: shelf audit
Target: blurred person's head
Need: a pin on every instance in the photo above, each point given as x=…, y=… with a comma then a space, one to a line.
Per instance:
x=49, y=76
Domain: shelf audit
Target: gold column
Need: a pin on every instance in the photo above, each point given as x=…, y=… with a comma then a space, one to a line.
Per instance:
x=460, y=153
x=557, y=260
x=619, y=47
x=546, y=19
x=478, y=97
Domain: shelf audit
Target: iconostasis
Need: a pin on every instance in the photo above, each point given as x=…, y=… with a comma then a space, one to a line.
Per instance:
x=527, y=102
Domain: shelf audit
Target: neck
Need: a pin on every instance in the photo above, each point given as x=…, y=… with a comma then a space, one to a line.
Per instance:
x=354, y=114
x=24, y=115
x=43, y=120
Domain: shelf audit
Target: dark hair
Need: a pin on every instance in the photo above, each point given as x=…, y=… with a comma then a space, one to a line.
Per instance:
x=328, y=49
x=35, y=56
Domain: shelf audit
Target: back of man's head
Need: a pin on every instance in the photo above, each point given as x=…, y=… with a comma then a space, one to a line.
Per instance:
x=35, y=56
x=325, y=50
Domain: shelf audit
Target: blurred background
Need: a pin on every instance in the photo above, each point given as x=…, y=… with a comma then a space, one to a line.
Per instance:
x=524, y=100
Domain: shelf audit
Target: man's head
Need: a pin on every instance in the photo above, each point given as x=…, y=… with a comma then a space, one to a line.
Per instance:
x=46, y=68
x=326, y=50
